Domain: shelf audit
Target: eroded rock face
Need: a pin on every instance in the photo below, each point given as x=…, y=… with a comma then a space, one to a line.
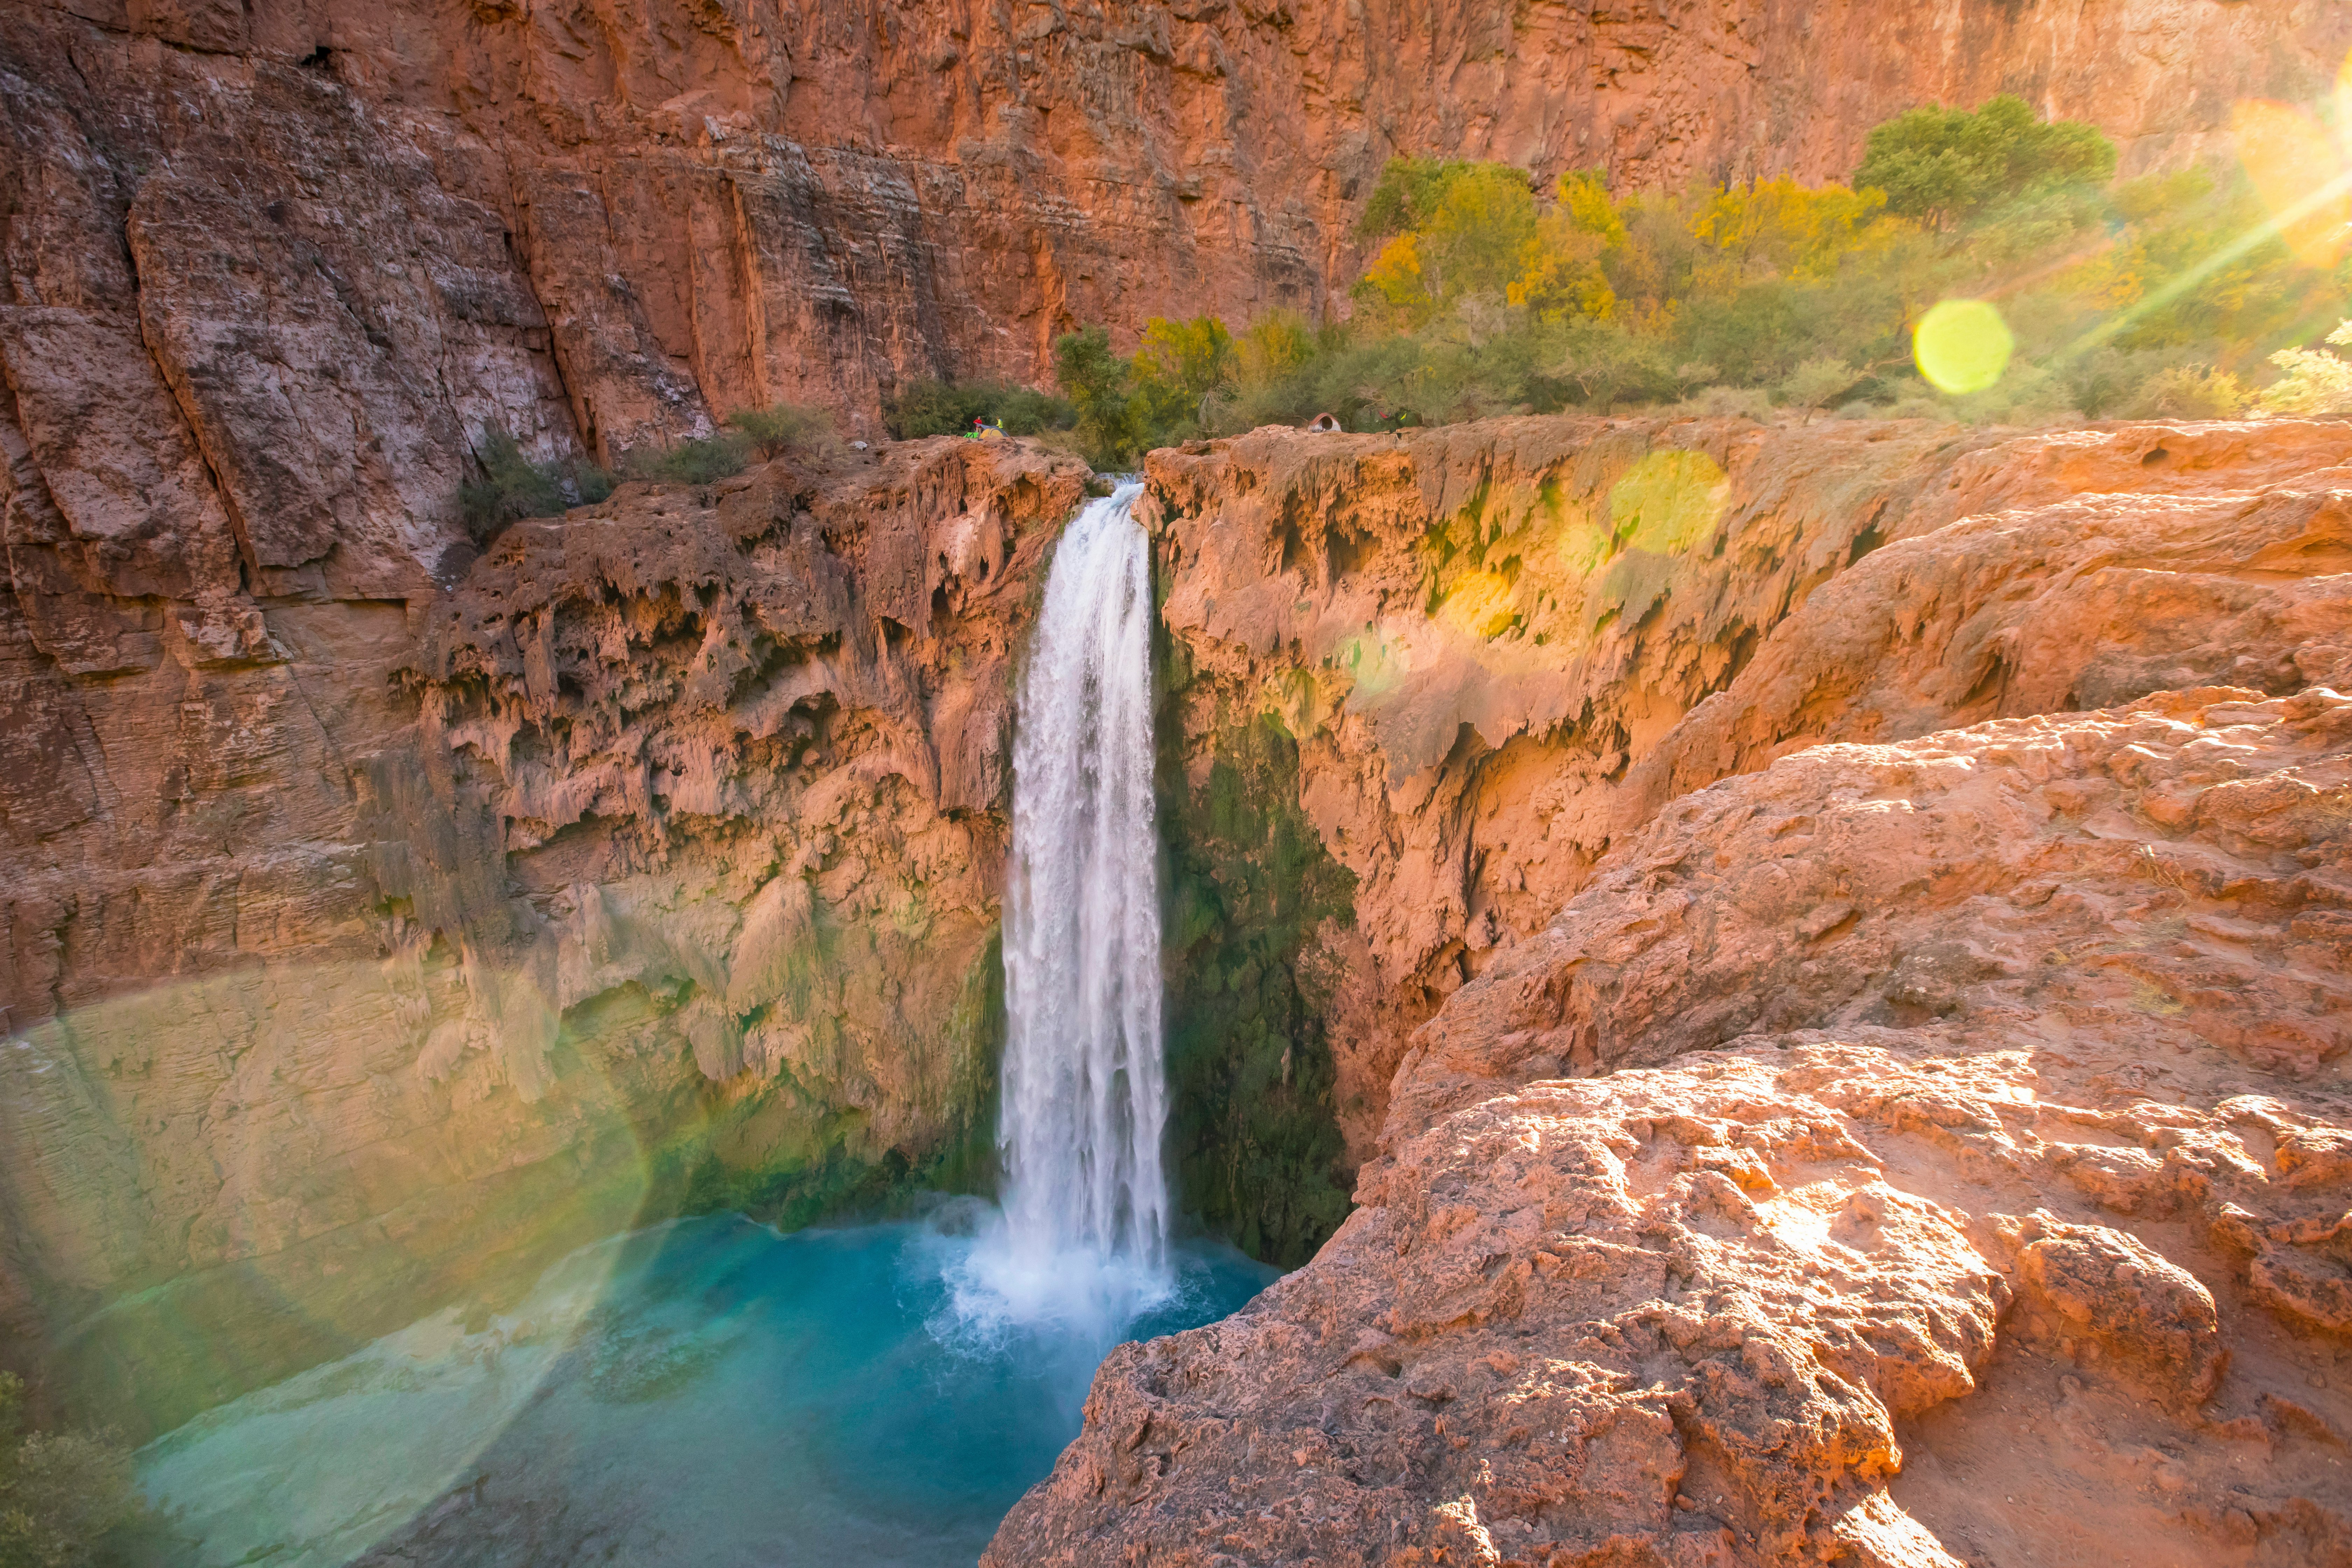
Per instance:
x=1476, y=658
x=653, y=865
x=2003, y=1218
x=627, y=219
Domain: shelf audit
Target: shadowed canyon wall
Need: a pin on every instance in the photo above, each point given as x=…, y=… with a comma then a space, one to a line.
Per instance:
x=655, y=867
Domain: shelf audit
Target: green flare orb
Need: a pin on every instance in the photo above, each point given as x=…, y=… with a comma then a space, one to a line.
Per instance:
x=1962, y=345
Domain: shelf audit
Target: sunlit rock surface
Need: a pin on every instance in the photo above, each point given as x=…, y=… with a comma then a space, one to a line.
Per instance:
x=616, y=222
x=1969, y=1185
x=1478, y=643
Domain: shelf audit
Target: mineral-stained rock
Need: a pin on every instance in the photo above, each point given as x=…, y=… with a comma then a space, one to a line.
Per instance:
x=653, y=865
x=1993, y=1213
x=1495, y=650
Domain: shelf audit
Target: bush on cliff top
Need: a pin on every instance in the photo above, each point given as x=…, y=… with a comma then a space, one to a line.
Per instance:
x=929, y=407
x=1482, y=295
x=700, y=461
x=782, y=427
x=512, y=487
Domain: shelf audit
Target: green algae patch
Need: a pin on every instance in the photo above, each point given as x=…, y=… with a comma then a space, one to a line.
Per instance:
x=1254, y=1138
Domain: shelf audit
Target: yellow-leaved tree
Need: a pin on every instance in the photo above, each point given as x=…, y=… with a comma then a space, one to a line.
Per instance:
x=1561, y=272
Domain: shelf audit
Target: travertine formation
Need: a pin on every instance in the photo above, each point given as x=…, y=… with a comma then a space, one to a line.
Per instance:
x=1898, y=1152
x=1484, y=639
x=653, y=865
x=1905, y=1155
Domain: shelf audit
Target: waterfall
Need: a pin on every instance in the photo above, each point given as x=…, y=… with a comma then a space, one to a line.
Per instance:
x=1084, y=1231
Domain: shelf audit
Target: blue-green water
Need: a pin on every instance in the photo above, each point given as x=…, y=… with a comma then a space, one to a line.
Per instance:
x=706, y=1393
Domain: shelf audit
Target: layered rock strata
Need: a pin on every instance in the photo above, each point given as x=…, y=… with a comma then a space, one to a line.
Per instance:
x=613, y=223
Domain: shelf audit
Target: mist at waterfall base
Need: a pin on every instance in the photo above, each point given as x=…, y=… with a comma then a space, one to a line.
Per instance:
x=711, y=1393
x=1083, y=1238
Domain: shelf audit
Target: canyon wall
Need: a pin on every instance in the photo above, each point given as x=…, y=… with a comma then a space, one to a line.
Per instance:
x=1914, y=1125
x=364, y=966
x=609, y=220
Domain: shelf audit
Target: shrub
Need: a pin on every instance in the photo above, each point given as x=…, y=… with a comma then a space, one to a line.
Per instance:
x=693, y=462
x=2316, y=382
x=782, y=427
x=930, y=407
x=61, y=1492
x=1728, y=402
x=513, y=488
x=2191, y=392
x=1817, y=383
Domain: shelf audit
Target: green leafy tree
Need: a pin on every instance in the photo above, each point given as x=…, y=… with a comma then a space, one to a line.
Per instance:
x=1946, y=166
x=1099, y=386
x=1180, y=365
x=1407, y=195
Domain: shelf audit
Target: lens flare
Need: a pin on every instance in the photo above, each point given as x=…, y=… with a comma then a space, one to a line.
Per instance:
x=1669, y=500
x=1479, y=606
x=1962, y=345
x=2299, y=170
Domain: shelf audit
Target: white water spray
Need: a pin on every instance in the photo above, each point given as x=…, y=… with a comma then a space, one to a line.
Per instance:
x=1085, y=1235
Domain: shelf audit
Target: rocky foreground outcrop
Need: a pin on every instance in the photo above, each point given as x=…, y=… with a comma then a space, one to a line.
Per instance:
x=1900, y=1153
x=1999, y=1214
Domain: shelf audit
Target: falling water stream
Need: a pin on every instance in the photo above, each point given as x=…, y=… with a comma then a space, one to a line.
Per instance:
x=1084, y=1238
x=709, y=1394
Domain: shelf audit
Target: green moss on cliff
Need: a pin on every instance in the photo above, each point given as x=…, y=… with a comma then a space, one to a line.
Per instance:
x=792, y=1160
x=1256, y=1146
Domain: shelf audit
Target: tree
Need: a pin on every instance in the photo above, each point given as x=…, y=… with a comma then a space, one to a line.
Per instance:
x=1180, y=364
x=2316, y=382
x=1946, y=166
x=1097, y=382
x=1466, y=228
